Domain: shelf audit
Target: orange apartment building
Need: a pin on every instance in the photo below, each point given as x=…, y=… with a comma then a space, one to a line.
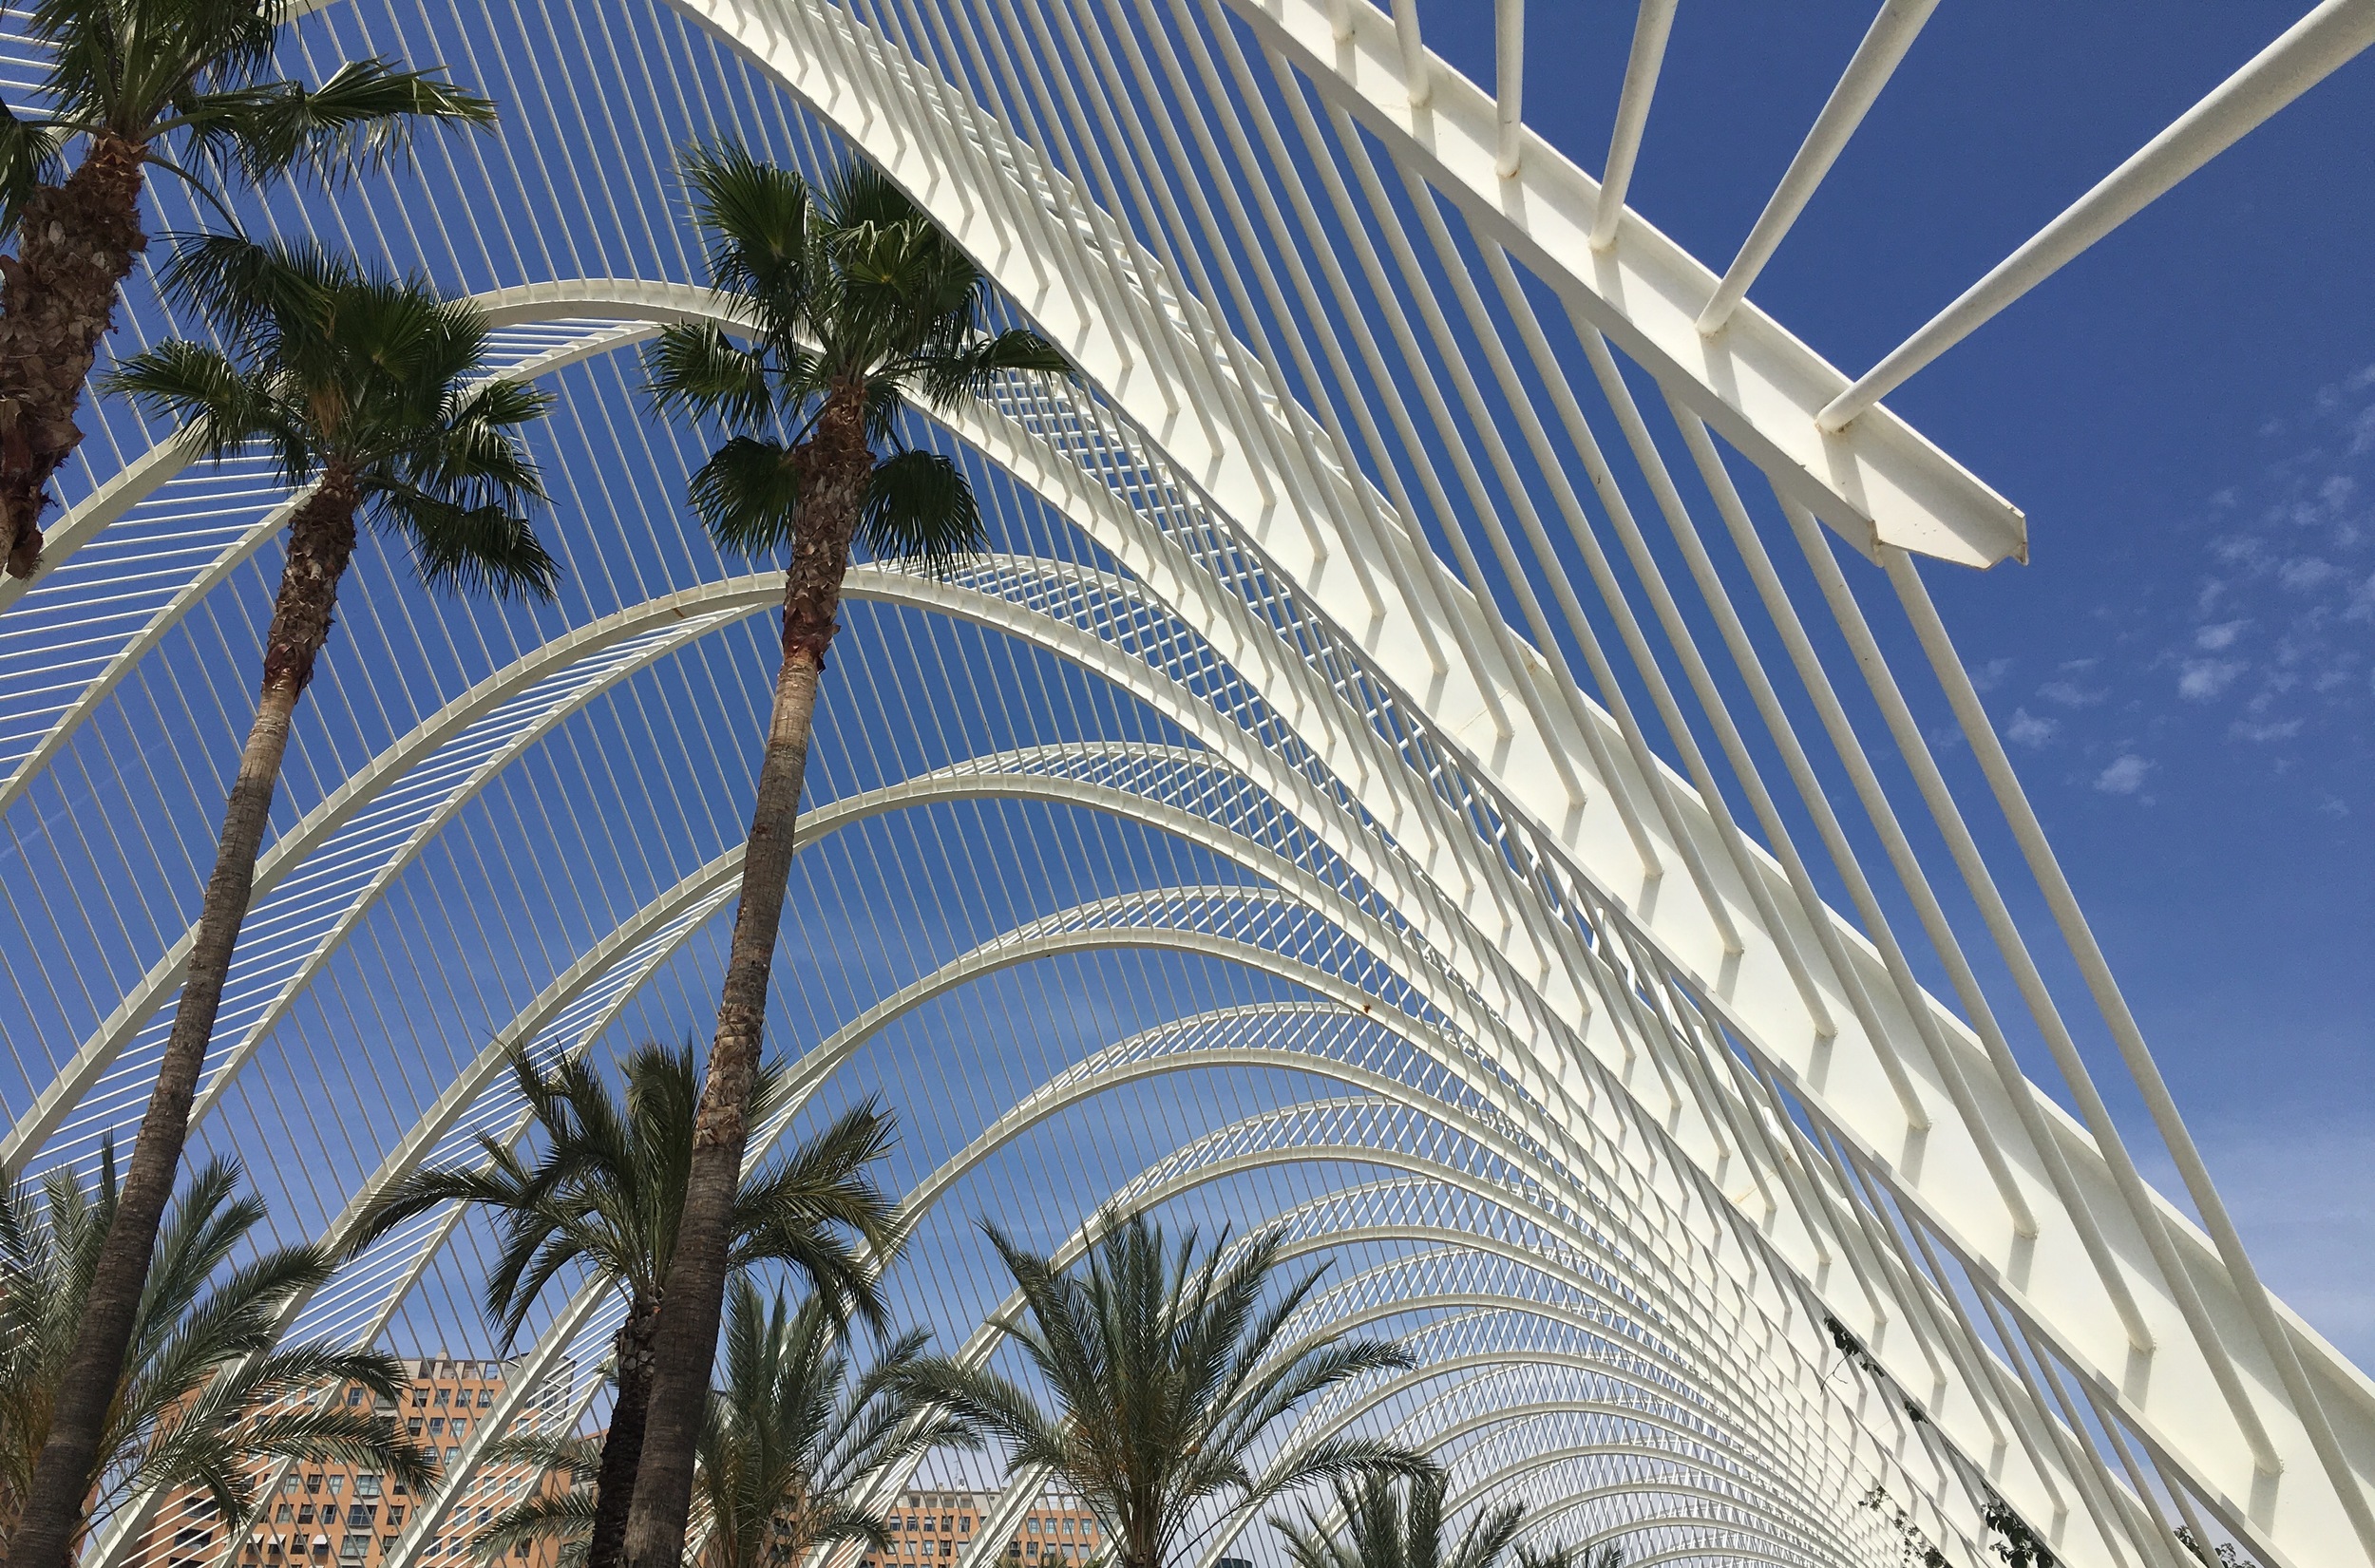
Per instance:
x=928, y=1527
x=342, y=1516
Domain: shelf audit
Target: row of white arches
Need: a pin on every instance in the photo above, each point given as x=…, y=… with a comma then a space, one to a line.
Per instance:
x=1683, y=1087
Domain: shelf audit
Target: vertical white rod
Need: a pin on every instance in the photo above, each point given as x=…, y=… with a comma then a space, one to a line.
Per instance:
x=1415, y=76
x=1509, y=82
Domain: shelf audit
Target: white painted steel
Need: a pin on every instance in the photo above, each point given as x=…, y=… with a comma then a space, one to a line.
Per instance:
x=1876, y=59
x=2307, y=52
x=1676, y=1137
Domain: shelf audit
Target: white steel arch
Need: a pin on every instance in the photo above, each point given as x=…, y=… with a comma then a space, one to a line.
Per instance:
x=1295, y=534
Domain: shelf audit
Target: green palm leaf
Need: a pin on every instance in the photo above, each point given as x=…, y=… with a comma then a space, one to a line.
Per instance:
x=1164, y=1370
x=209, y=1387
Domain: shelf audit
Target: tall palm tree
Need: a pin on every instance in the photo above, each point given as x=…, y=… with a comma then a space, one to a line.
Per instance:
x=607, y=1189
x=182, y=84
x=1166, y=1373
x=208, y=1392
x=790, y=1450
x=855, y=302
x=359, y=382
x=1383, y=1521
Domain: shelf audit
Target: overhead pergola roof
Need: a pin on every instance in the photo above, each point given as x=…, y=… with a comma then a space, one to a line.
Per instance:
x=1416, y=768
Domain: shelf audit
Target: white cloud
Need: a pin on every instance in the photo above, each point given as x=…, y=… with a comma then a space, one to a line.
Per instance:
x=2210, y=639
x=2260, y=734
x=2027, y=729
x=2123, y=776
x=2303, y=573
x=1990, y=675
x=2202, y=679
x=2071, y=694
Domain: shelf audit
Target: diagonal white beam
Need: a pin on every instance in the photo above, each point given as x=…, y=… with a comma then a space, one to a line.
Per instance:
x=2306, y=54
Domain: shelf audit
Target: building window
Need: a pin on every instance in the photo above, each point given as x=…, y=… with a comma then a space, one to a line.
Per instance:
x=314, y=1482
x=305, y=1515
x=485, y=1397
x=352, y=1548
x=337, y=1485
x=354, y=1396
x=367, y=1484
x=437, y=1426
x=285, y=1515
x=420, y=1397
x=444, y=1397
x=412, y=1427
x=453, y=1456
x=395, y=1517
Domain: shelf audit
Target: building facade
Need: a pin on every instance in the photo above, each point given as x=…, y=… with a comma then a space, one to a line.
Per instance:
x=940, y=1526
x=331, y=1515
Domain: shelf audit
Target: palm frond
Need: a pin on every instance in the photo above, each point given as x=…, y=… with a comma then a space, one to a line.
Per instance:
x=762, y=244
x=921, y=508
x=28, y=160
x=246, y=290
x=696, y=371
x=974, y=368
x=748, y=495
x=362, y=117
x=187, y=383
x=483, y=549
x=566, y=1517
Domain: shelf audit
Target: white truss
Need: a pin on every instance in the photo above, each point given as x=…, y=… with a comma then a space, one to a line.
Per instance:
x=1452, y=860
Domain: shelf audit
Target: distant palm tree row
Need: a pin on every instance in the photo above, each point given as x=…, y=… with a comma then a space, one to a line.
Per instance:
x=141, y=1358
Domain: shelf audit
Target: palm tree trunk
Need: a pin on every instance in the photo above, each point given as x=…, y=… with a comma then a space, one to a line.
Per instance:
x=622, y=1446
x=57, y=301
x=835, y=466
x=321, y=540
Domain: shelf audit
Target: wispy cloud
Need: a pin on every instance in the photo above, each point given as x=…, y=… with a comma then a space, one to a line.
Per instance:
x=2271, y=654
x=2125, y=775
x=2027, y=729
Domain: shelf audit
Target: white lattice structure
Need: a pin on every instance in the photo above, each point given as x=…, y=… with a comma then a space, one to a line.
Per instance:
x=1417, y=769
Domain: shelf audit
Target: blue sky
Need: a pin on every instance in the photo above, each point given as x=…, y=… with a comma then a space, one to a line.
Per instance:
x=2187, y=414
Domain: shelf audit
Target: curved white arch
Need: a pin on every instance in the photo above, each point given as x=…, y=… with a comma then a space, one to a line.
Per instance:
x=1515, y=876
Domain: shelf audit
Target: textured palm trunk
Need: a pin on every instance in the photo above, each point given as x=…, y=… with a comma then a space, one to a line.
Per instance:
x=321, y=540
x=57, y=301
x=836, y=466
x=622, y=1446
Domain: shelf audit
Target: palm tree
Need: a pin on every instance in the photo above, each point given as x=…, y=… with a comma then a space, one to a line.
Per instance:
x=358, y=381
x=854, y=302
x=1382, y=1523
x=792, y=1448
x=606, y=1191
x=182, y=84
x=1166, y=1375
x=208, y=1392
